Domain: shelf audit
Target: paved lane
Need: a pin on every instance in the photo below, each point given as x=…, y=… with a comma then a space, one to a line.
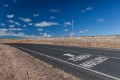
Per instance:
x=98, y=62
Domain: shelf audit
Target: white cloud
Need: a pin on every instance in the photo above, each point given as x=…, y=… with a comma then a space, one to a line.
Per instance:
x=17, y=23
x=10, y=33
x=101, y=20
x=5, y=33
x=71, y=34
x=15, y=29
x=20, y=33
x=66, y=30
x=11, y=26
x=30, y=24
x=36, y=15
x=45, y=24
x=10, y=16
x=26, y=20
x=11, y=29
x=83, y=31
x=10, y=21
x=3, y=30
x=32, y=37
x=67, y=24
x=45, y=35
x=87, y=9
x=2, y=24
x=54, y=10
x=52, y=17
x=5, y=5
x=40, y=29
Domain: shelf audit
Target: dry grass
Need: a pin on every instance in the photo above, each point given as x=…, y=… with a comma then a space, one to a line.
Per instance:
x=17, y=65
x=98, y=41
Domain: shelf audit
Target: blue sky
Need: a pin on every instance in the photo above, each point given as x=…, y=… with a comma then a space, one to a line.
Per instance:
x=52, y=18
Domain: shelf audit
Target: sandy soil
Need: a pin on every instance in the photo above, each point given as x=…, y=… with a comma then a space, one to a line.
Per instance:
x=17, y=65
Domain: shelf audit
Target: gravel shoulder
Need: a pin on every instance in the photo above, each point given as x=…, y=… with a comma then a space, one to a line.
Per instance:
x=18, y=65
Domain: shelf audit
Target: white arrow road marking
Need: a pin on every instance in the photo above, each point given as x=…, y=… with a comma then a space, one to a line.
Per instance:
x=69, y=55
x=93, y=62
x=79, y=58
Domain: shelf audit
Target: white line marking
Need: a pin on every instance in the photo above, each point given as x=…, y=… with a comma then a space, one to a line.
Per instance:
x=103, y=74
x=93, y=62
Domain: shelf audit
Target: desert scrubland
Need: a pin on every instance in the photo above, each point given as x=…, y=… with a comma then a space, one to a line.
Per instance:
x=92, y=41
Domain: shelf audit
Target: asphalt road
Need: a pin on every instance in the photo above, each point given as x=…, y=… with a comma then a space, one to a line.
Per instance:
x=102, y=63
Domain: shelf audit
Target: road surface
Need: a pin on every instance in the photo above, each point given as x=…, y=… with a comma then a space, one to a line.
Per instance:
x=101, y=63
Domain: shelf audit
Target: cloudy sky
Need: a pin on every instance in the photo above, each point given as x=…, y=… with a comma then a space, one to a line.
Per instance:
x=52, y=18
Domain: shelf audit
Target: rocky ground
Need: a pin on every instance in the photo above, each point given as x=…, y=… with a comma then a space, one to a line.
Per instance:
x=17, y=65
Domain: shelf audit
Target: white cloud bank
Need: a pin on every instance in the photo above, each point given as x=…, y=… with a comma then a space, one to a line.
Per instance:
x=15, y=29
x=11, y=29
x=46, y=24
x=10, y=21
x=27, y=20
x=4, y=32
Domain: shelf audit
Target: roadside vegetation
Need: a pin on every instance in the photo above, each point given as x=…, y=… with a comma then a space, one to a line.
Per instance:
x=92, y=41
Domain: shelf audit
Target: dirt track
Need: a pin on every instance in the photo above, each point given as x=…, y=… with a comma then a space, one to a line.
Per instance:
x=17, y=65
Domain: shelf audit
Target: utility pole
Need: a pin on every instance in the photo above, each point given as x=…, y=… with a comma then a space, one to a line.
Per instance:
x=72, y=26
